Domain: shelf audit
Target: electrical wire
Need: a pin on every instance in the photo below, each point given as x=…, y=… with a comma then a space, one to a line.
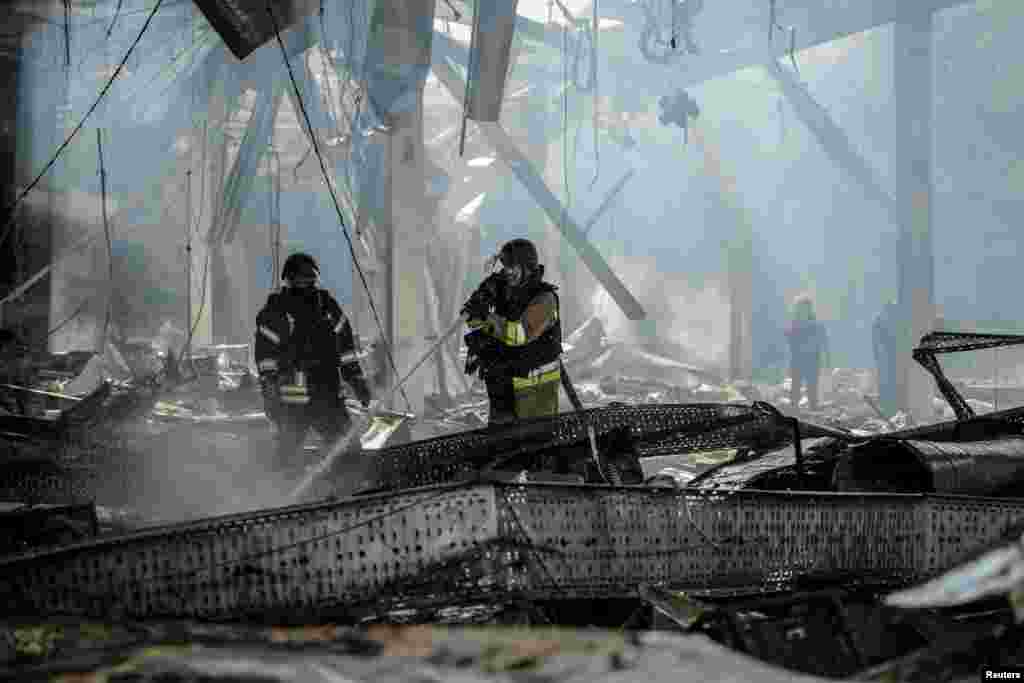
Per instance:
x=192, y=227
x=194, y=325
x=117, y=13
x=60, y=150
x=202, y=297
x=67, y=35
x=110, y=246
x=62, y=323
x=337, y=207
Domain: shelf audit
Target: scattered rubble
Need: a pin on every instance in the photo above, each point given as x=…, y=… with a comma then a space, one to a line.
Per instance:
x=131, y=396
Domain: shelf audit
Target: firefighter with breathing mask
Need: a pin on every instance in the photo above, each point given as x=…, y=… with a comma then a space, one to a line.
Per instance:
x=515, y=338
x=304, y=348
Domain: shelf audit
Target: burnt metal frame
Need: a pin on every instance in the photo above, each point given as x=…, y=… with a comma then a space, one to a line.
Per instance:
x=936, y=343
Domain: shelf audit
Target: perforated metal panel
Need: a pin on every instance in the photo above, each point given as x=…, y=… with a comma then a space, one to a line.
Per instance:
x=607, y=542
x=289, y=558
x=457, y=545
x=45, y=481
x=655, y=430
x=955, y=526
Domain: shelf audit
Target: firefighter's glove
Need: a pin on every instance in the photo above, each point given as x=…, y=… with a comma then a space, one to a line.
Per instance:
x=477, y=308
x=479, y=305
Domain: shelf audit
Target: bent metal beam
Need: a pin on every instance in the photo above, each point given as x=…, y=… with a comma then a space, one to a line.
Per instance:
x=538, y=189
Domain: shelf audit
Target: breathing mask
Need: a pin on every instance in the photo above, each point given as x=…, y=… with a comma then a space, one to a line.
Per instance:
x=513, y=275
x=304, y=278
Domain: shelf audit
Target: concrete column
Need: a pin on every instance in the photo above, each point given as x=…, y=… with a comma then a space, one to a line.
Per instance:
x=912, y=93
x=408, y=252
x=207, y=184
x=393, y=190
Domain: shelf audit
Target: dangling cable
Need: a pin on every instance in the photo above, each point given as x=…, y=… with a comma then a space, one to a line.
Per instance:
x=110, y=246
x=117, y=13
x=67, y=36
x=192, y=229
x=337, y=207
x=60, y=150
x=186, y=352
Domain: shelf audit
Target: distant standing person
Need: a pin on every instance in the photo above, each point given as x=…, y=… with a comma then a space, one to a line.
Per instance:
x=885, y=340
x=808, y=352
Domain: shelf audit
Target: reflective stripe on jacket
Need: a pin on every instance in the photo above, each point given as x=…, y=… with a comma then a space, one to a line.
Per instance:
x=549, y=372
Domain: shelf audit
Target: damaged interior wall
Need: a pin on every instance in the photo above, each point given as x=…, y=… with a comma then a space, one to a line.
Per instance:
x=813, y=230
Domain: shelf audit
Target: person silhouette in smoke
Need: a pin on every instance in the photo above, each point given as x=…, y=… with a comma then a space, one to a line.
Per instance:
x=304, y=348
x=885, y=341
x=808, y=352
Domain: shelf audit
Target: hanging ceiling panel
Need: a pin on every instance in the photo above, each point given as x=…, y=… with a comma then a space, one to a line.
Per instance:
x=245, y=25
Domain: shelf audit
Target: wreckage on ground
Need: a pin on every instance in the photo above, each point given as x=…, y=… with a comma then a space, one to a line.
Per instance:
x=782, y=547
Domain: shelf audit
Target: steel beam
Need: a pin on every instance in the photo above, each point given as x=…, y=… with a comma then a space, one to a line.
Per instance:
x=392, y=188
x=524, y=171
x=833, y=140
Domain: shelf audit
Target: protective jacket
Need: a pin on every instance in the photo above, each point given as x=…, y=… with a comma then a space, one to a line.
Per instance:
x=304, y=337
x=531, y=368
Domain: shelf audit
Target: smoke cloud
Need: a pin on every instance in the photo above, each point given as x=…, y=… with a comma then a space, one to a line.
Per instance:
x=694, y=321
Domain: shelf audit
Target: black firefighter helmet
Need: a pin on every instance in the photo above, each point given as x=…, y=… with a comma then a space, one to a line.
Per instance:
x=520, y=256
x=300, y=268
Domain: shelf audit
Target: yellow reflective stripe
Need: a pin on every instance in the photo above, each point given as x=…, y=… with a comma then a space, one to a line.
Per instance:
x=269, y=334
x=268, y=364
x=543, y=378
x=515, y=333
x=553, y=365
x=349, y=357
x=294, y=393
x=341, y=324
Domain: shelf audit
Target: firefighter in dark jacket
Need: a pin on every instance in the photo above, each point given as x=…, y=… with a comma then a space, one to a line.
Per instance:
x=304, y=348
x=515, y=337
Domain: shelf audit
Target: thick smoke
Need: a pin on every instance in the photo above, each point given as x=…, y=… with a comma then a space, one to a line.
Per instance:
x=696, y=320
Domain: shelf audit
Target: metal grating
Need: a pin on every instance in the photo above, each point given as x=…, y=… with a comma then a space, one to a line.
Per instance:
x=647, y=430
x=457, y=544
x=290, y=558
x=42, y=480
x=655, y=430
x=607, y=542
